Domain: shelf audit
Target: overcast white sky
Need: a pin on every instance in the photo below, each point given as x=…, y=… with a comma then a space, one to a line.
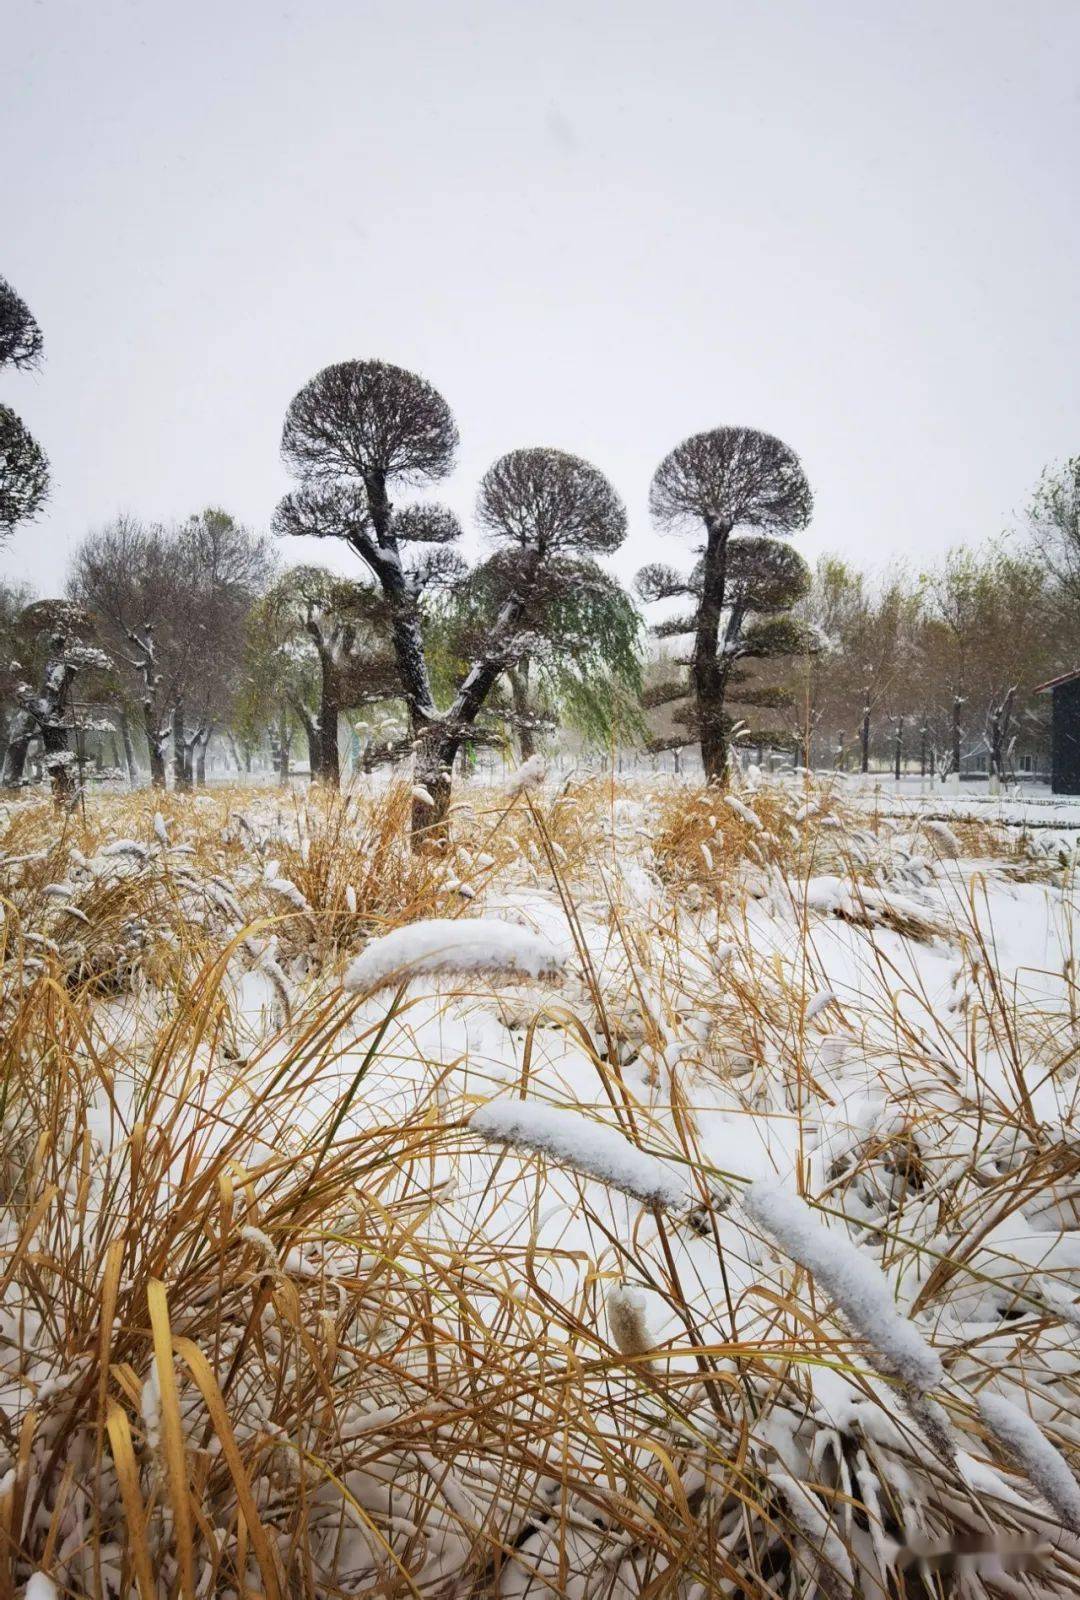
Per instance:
x=595, y=225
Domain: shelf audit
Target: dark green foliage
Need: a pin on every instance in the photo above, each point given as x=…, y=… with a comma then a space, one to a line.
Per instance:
x=24, y=467
x=24, y=473
x=20, y=336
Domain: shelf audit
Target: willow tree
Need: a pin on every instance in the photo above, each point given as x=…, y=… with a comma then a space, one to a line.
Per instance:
x=364, y=429
x=582, y=669
x=715, y=485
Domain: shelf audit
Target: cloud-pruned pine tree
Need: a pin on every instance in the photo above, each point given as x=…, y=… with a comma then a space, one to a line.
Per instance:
x=361, y=431
x=718, y=484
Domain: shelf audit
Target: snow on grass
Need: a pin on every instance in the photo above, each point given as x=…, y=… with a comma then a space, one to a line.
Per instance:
x=809, y=1517
x=857, y=1284
x=627, y=1321
x=530, y=775
x=943, y=837
x=742, y=810
x=576, y=1141
x=438, y=945
x=287, y=890
x=1043, y=1462
x=818, y=1002
x=891, y=1119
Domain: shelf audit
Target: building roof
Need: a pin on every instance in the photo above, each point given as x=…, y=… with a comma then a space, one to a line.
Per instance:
x=1055, y=683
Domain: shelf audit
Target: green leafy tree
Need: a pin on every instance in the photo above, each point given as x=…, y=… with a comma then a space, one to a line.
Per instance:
x=583, y=670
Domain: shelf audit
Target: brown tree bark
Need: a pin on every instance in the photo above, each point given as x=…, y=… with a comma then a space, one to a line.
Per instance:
x=181, y=754
x=519, y=693
x=329, y=710
x=706, y=671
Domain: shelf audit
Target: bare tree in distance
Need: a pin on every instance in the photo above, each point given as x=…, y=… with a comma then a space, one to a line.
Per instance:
x=172, y=607
x=362, y=428
x=720, y=481
x=24, y=467
x=1054, y=525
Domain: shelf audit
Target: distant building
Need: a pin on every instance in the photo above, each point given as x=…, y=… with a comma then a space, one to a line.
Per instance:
x=1065, y=731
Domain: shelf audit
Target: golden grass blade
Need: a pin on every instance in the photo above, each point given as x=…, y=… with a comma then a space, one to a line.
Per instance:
x=172, y=1435
x=208, y=1387
x=30, y=1227
x=127, y=1474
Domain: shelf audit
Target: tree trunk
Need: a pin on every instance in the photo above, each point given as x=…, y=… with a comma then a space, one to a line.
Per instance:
x=706, y=672
x=1000, y=718
x=329, y=759
x=519, y=694
x=202, y=745
x=155, y=745
x=866, y=732
x=147, y=665
x=181, y=770
x=432, y=771
x=15, y=755
x=44, y=715
x=54, y=743
x=284, y=746
x=129, y=750
x=405, y=628
x=311, y=733
x=957, y=703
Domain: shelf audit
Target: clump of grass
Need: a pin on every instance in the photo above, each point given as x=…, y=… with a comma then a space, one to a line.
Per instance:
x=274, y=1321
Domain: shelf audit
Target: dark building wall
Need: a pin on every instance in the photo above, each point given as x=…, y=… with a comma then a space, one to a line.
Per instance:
x=1066, y=738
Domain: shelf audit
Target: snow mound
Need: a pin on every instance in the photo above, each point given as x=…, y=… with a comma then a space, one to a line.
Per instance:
x=476, y=944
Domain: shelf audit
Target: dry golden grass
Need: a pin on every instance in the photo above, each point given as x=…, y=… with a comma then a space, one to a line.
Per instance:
x=265, y=1328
